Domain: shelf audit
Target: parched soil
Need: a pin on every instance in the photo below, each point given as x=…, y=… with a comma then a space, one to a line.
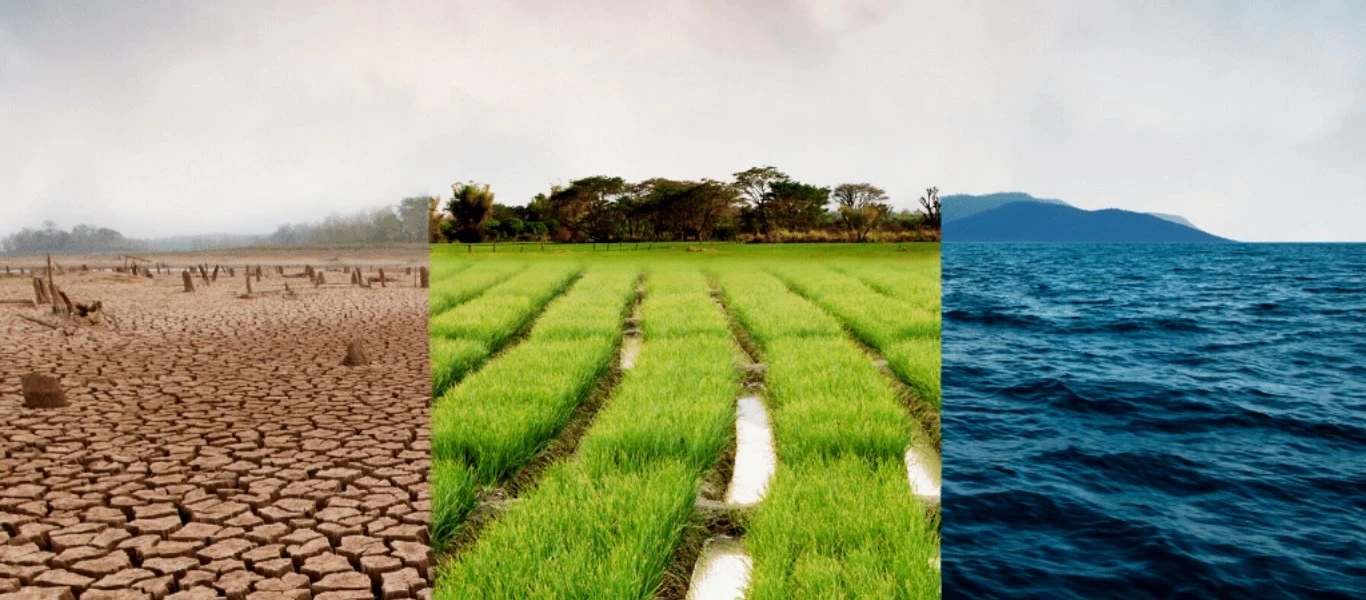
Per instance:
x=215, y=446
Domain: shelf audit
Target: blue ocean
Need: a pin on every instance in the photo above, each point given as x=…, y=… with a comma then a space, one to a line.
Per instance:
x=1154, y=421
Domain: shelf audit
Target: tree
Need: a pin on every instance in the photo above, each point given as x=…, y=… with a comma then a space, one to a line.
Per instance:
x=794, y=205
x=434, y=220
x=470, y=205
x=929, y=203
x=754, y=185
x=586, y=210
x=413, y=216
x=862, y=206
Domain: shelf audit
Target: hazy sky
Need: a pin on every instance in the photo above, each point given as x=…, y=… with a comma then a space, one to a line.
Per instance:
x=160, y=118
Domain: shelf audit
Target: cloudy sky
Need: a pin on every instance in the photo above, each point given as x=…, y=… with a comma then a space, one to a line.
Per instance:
x=160, y=118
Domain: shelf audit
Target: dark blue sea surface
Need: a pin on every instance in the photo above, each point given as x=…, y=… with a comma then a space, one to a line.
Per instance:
x=1154, y=421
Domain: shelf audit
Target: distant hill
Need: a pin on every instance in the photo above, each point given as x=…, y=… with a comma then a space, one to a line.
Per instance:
x=1056, y=222
x=1178, y=219
x=961, y=206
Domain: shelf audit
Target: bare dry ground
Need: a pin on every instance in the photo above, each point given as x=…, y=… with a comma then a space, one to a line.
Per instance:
x=215, y=446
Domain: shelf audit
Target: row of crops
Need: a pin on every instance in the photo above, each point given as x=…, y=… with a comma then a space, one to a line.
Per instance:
x=838, y=520
x=519, y=346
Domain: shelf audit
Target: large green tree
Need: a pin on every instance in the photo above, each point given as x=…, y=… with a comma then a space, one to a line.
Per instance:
x=794, y=205
x=586, y=210
x=754, y=185
x=470, y=205
x=862, y=206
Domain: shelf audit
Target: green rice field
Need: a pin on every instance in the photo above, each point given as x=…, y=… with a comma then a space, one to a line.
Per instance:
x=584, y=420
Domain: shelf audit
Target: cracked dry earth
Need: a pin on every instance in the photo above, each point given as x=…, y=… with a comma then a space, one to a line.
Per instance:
x=215, y=446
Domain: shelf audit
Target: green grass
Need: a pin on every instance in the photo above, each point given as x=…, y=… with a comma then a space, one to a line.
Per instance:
x=917, y=362
x=467, y=283
x=839, y=520
x=765, y=308
x=462, y=337
x=498, y=418
x=677, y=403
x=503, y=414
x=917, y=286
x=454, y=492
x=579, y=534
x=451, y=359
x=842, y=529
x=604, y=523
x=903, y=328
x=443, y=270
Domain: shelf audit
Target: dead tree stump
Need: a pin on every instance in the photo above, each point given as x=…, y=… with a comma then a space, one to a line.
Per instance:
x=381, y=277
x=248, y=278
x=355, y=354
x=189, y=282
x=42, y=391
x=39, y=292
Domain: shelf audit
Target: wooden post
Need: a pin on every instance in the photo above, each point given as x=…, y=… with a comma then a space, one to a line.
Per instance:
x=70, y=308
x=422, y=276
x=381, y=277
x=189, y=283
x=50, y=289
x=248, y=278
x=258, y=273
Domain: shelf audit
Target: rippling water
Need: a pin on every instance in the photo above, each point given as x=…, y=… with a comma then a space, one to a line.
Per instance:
x=1154, y=420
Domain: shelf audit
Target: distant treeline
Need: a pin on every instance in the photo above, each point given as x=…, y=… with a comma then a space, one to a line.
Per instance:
x=81, y=238
x=404, y=222
x=761, y=204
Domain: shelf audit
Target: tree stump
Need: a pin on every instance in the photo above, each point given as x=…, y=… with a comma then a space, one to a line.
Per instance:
x=189, y=282
x=422, y=276
x=381, y=277
x=355, y=354
x=42, y=391
x=39, y=291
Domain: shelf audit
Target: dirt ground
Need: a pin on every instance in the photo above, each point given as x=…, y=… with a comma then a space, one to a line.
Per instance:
x=215, y=446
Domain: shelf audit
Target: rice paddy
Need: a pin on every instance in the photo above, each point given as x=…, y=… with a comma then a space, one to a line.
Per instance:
x=564, y=469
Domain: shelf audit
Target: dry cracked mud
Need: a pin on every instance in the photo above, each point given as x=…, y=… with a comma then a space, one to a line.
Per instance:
x=214, y=446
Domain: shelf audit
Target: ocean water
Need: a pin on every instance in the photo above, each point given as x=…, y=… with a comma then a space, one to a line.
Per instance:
x=1165, y=421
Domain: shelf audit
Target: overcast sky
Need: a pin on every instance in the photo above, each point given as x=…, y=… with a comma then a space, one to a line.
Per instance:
x=1248, y=118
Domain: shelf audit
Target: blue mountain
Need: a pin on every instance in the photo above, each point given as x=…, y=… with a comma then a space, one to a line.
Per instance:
x=961, y=206
x=1049, y=222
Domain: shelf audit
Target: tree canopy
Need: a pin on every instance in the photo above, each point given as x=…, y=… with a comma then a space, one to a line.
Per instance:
x=759, y=204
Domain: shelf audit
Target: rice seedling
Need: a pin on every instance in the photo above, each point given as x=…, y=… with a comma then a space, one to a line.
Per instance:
x=605, y=523
x=842, y=528
x=838, y=520
x=469, y=283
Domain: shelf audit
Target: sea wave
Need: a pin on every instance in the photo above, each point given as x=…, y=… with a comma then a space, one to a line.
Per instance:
x=1154, y=421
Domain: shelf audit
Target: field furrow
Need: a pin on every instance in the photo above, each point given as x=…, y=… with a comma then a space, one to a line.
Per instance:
x=466, y=335
x=500, y=417
x=840, y=518
x=604, y=523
